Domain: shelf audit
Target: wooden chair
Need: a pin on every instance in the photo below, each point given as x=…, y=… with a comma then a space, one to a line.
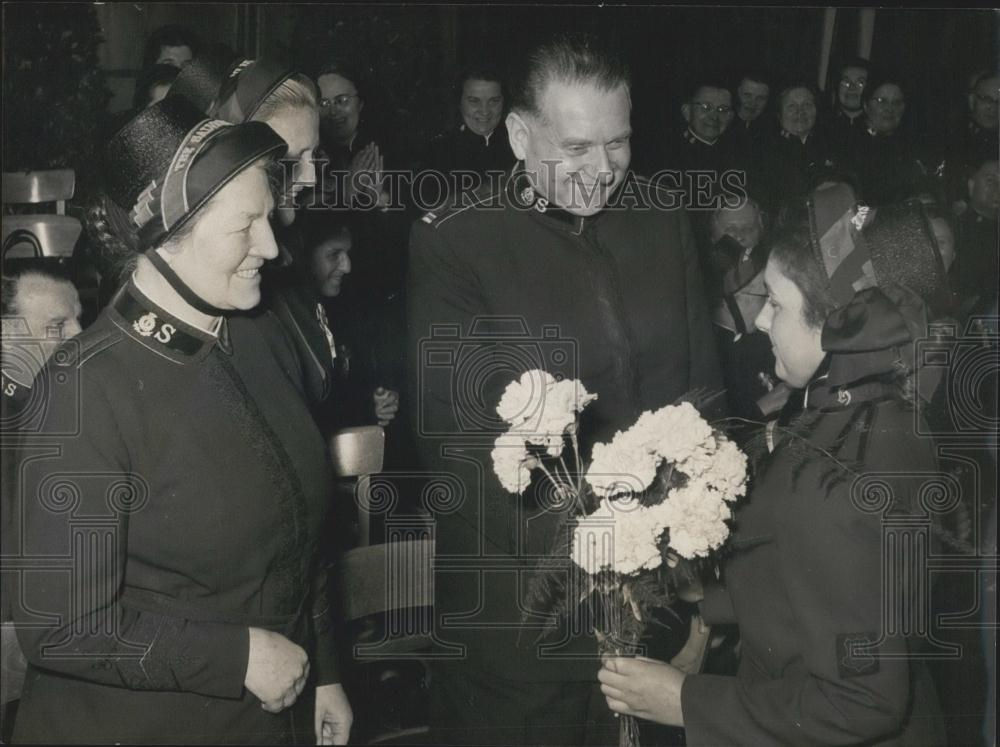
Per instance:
x=34, y=187
x=357, y=454
x=385, y=594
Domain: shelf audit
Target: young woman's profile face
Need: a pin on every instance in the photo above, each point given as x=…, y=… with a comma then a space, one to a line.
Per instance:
x=331, y=261
x=299, y=127
x=796, y=344
x=221, y=258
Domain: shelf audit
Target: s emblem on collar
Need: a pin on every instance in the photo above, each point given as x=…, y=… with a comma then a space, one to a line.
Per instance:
x=145, y=325
x=843, y=397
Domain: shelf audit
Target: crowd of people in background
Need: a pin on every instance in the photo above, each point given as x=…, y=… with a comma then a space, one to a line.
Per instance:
x=779, y=133
x=289, y=160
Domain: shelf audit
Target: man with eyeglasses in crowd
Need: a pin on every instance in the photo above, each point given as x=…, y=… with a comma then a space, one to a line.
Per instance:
x=978, y=140
x=708, y=112
x=848, y=113
x=701, y=154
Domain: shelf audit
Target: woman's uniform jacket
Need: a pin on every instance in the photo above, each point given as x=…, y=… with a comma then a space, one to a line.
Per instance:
x=172, y=500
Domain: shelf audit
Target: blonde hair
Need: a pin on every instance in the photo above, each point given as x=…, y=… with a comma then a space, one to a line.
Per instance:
x=296, y=92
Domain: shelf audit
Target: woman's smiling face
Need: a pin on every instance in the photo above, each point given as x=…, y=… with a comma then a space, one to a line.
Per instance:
x=221, y=258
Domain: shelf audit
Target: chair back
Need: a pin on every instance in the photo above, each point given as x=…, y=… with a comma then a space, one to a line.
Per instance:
x=386, y=577
x=39, y=236
x=386, y=603
x=358, y=451
x=33, y=187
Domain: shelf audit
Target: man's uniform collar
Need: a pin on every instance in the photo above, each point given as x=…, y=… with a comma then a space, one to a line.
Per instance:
x=693, y=139
x=163, y=333
x=851, y=117
x=523, y=196
x=464, y=128
x=792, y=136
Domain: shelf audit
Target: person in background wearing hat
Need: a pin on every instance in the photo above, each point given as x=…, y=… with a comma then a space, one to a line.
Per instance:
x=180, y=598
x=285, y=100
x=808, y=580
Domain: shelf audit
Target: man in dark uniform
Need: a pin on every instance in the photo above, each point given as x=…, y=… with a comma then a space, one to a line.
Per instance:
x=708, y=112
x=752, y=122
x=480, y=143
x=848, y=113
x=41, y=308
x=979, y=138
x=701, y=153
x=569, y=267
x=789, y=162
x=977, y=257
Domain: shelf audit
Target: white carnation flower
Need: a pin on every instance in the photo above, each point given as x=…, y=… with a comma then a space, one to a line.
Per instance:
x=509, y=456
x=542, y=409
x=568, y=395
x=621, y=536
x=696, y=515
x=728, y=473
x=621, y=467
x=523, y=399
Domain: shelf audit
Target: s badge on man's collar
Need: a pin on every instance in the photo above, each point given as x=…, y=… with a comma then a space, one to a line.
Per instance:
x=857, y=655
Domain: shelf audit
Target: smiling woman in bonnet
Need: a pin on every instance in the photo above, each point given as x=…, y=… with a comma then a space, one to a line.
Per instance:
x=187, y=495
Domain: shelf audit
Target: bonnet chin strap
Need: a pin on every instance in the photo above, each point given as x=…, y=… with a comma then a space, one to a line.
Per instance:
x=182, y=288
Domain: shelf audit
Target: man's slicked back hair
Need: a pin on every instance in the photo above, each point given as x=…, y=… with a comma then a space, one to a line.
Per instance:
x=570, y=58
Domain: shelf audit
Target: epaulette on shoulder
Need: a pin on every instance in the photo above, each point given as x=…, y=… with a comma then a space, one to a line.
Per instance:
x=485, y=195
x=88, y=344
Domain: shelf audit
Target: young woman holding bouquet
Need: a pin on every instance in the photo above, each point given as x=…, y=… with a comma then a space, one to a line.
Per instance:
x=815, y=574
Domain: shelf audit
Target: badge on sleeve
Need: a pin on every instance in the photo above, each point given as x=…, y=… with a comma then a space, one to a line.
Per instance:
x=855, y=654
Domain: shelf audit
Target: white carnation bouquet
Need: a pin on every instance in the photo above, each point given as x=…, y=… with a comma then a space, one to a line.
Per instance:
x=650, y=511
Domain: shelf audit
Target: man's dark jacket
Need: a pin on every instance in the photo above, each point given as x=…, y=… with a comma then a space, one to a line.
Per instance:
x=496, y=288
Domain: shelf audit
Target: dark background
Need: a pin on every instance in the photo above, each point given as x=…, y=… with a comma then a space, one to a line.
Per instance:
x=67, y=66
